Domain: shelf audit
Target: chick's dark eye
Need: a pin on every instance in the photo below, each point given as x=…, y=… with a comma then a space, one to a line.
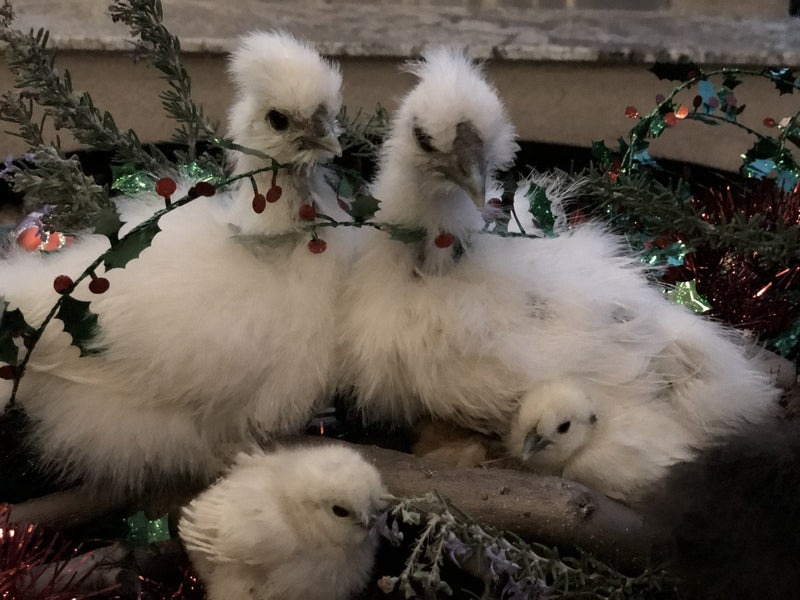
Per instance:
x=424, y=140
x=340, y=511
x=564, y=427
x=277, y=120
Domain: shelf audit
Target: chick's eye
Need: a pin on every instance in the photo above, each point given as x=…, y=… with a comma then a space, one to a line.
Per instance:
x=277, y=120
x=564, y=427
x=340, y=511
x=424, y=140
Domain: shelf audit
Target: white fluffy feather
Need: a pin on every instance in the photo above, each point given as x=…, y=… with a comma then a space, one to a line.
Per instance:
x=268, y=530
x=463, y=337
x=210, y=333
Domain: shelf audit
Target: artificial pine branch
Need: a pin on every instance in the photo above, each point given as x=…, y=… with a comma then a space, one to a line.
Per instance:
x=76, y=201
x=145, y=18
x=31, y=62
x=638, y=204
x=17, y=107
x=362, y=134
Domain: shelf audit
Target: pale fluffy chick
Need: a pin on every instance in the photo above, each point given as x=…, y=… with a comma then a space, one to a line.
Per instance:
x=219, y=328
x=618, y=449
x=290, y=525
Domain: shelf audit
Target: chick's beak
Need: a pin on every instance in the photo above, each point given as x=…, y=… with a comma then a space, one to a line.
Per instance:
x=533, y=443
x=467, y=166
x=327, y=142
x=474, y=183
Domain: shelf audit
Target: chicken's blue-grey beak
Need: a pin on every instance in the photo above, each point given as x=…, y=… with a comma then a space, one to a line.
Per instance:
x=328, y=142
x=533, y=443
x=467, y=167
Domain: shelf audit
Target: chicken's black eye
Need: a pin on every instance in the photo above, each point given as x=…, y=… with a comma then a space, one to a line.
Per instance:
x=564, y=427
x=423, y=139
x=278, y=120
x=340, y=511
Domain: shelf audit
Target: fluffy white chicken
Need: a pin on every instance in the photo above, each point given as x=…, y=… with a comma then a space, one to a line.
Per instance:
x=291, y=525
x=619, y=449
x=460, y=325
x=222, y=327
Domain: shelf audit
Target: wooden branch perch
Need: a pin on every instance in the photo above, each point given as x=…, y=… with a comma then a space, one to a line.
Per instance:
x=548, y=510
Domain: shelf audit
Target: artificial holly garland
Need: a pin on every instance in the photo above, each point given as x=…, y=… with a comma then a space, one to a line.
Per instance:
x=730, y=247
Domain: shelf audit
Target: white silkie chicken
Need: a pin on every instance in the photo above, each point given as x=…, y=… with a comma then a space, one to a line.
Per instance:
x=461, y=325
x=289, y=525
x=223, y=327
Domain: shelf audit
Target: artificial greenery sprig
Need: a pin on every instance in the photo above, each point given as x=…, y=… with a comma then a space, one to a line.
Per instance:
x=31, y=62
x=163, y=49
x=509, y=567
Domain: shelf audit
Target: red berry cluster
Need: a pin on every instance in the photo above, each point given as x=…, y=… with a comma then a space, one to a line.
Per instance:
x=98, y=285
x=274, y=194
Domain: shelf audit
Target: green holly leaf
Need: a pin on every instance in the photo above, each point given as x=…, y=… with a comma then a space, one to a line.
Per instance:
x=783, y=79
x=602, y=154
x=129, y=247
x=764, y=148
x=12, y=324
x=363, y=207
x=541, y=208
x=406, y=234
x=683, y=71
x=730, y=81
x=107, y=223
x=79, y=322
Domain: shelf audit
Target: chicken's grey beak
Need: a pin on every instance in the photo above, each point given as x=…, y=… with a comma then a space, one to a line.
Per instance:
x=328, y=142
x=467, y=168
x=474, y=183
x=533, y=443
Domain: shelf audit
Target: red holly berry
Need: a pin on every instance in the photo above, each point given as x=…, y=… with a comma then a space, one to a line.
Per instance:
x=259, y=203
x=166, y=187
x=495, y=202
x=317, y=246
x=308, y=212
x=99, y=285
x=62, y=283
x=274, y=193
x=7, y=372
x=671, y=119
x=444, y=240
x=631, y=112
x=769, y=122
x=203, y=188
